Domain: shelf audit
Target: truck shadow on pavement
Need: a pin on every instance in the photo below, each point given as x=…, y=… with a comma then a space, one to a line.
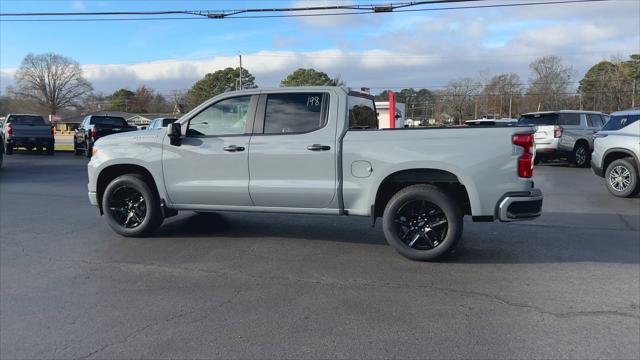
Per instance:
x=554, y=238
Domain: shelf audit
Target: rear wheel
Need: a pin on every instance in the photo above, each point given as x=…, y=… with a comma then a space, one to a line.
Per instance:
x=581, y=155
x=50, y=150
x=422, y=222
x=39, y=149
x=622, y=178
x=9, y=149
x=131, y=206
x=76, y=151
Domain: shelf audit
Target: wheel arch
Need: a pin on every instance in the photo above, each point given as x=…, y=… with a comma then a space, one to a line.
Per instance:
x=581, y=141
x=614, y=154
x=401, y=179
x=111, y=172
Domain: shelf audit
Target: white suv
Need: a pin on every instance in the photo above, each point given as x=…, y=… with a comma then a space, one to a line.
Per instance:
x=616, y=153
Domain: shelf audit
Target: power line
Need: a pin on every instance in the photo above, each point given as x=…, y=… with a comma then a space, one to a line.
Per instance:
x=235, y=14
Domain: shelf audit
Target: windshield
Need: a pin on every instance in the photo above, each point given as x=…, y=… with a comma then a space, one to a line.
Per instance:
x=26, y=120
x=108, y=120
x=538, y=119
x=617, y=122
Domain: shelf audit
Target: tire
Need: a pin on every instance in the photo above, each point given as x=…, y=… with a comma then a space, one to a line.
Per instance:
x=431, y=238
x=50, y=150
x=621, y=178
x=537, y=160
x=122, y=197
x=76, y=151
x=8, y=150
x=87, y=149
x=39, y=149
x=581, y=155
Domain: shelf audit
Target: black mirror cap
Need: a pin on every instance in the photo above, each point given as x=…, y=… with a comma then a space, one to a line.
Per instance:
x=175, y=133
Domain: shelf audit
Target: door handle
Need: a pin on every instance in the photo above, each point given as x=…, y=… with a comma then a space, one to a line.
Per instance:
x=318, y=147
x=233, y=148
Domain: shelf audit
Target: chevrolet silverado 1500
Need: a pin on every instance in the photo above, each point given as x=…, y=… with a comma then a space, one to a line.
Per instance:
x=316, y=150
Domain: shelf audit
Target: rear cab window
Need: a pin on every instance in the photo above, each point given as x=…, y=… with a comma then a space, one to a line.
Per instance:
x=108, y=121
x=617, y=122
x=295, y=113
x=539, y=119
x=362, y=113
x=25, y=120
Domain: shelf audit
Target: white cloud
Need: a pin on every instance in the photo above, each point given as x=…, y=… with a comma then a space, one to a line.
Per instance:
x=417, y=49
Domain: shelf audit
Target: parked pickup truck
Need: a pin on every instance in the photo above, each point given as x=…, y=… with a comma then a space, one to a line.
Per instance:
x=316, y=150
x=93, y=127
x=29, y=132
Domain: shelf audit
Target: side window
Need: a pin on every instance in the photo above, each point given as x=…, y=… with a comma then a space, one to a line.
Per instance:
x=594, y=120
x=226, y=117
x=362, y=113
x=569, y=119
x=295, y=113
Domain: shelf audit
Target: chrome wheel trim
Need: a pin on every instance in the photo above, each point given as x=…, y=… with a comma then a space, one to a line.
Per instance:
x=620, y=178
x=421, y=225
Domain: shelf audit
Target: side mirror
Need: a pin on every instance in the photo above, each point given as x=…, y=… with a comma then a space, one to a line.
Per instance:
x=174, y=132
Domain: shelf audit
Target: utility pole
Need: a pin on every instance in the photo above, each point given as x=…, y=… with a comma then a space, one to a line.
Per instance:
x=240, y=56
x=510, y=101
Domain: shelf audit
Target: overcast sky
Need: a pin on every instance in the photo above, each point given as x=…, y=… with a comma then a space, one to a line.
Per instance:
x=395, y=50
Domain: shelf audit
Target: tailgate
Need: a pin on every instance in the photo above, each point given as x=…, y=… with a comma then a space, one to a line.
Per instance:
x=31, y=131
x=104, y=131
x=544, y=134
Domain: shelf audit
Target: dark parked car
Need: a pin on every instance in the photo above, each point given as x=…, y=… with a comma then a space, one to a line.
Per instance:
x=29, y=132
x=94, y=127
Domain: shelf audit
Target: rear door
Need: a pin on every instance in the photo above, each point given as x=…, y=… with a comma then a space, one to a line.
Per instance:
x=292, y=156
x=574, y=127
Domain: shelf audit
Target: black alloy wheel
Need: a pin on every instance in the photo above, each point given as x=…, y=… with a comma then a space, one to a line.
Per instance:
x=128, y=207
x=421, y=225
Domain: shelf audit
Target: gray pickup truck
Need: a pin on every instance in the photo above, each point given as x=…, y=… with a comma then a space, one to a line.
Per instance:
x=29, y=132
x=316, y=150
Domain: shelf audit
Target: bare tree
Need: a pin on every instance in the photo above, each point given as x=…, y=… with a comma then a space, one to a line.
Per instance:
x=460, y=96
x=550, y=82
x=52, y=80
x=503, y=92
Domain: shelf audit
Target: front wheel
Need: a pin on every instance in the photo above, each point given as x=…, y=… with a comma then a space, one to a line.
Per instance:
x=422, y=222
x=622, y=178
x=131, y=206
x=87, y=149
x=76, y=151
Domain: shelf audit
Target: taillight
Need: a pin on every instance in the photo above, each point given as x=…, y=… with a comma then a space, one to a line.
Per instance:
x=557, y=131
x=9, y=129
x=525, y=161
x=94, y=132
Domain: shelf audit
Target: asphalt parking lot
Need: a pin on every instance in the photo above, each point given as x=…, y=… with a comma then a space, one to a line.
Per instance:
x=280, y=286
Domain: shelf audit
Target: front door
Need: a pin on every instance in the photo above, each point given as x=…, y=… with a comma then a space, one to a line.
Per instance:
x=292, y=157
x=210, y=167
